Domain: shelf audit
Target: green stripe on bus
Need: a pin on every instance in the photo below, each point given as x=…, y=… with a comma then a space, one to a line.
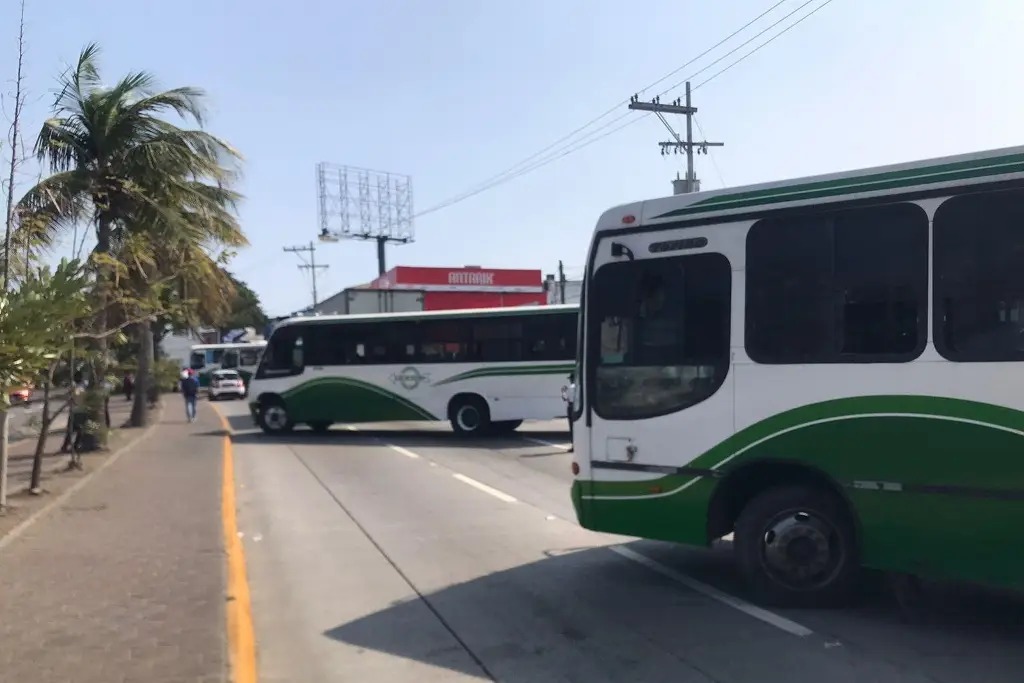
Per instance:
x=344, y=399
x=508, y=371
x=854, y=428
x=919, y=444
x=874, y=182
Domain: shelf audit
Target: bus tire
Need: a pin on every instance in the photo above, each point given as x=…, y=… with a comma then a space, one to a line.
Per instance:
x=505, y=426
x=320, y=427
x=273, y=417
x=796, y=547
x=469, y=415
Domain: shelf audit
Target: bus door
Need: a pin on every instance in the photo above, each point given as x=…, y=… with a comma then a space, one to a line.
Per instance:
x=658, y=358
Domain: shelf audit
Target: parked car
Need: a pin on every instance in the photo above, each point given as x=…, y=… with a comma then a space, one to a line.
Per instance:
x=226, y=383
x=20, y=395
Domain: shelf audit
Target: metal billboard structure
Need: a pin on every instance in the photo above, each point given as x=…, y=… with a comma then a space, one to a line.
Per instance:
x=363, y=204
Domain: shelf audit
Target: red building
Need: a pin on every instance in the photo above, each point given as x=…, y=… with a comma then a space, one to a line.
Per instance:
x=466, y=287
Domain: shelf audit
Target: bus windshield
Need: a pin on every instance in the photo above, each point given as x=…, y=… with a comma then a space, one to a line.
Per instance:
x=661, y=329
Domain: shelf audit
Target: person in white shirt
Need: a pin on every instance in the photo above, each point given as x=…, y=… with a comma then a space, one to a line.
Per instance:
x=569, y=396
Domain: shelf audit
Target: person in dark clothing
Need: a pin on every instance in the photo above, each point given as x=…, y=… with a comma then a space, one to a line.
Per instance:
x=74, y=435
x=190, y=391
x=128, y=385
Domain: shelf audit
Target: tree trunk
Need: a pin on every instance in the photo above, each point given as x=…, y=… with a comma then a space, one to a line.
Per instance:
x=4, y=434
x=97, y=411
x=144, y=376
x=35, y=486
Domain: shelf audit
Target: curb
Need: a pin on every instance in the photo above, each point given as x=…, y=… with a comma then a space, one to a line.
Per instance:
x=241, y=636
x=19, y=529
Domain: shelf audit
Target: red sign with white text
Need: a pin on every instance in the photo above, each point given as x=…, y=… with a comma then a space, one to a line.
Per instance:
x=460, y=279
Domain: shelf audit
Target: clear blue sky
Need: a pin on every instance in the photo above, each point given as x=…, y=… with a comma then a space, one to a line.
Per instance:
x=453, y=91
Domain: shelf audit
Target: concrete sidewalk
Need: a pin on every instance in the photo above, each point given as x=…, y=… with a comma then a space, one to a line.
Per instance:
x=124, y=581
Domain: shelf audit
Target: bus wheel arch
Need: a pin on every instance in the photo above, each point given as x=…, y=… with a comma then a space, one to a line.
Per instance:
x=469, y=414
x=273, y=417
x=797, y=537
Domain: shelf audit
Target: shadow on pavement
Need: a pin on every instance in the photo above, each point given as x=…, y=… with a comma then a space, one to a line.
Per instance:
x=591, y=615
x=406, y=438
x=434, y=435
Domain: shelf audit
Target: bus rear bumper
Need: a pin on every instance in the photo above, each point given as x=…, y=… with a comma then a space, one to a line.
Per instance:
x=577, y=502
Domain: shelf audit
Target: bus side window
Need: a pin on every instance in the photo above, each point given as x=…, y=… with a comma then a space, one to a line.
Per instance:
x=248, y=357
x=496, y=340
x=197, y=361
x=230, y=359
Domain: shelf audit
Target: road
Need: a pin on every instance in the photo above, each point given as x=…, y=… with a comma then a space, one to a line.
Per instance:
x=401, y=553
x=25, y=419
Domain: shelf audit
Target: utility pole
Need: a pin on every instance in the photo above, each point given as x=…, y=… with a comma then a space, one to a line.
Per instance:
x=312, y=266
x=689, y=146
x=561, y=282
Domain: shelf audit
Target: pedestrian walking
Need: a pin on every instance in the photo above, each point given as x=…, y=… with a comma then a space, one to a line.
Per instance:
x=128, y=385
x=190, y=391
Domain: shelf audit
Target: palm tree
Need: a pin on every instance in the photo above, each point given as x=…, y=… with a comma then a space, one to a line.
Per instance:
x=112, y=155
x=162, y=256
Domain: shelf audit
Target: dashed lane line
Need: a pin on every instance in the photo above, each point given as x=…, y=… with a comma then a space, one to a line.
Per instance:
x=500, y=495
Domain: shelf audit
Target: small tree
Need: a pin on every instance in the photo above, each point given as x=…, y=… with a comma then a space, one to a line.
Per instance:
x=34, y=322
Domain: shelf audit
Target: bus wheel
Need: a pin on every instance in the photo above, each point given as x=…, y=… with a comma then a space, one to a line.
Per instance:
x=469, y=415
x=274, y=419
x=795, y=546
x=505, y=426
x=320, y=427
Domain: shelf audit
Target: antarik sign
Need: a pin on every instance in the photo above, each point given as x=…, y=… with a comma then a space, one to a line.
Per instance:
x=471, y=277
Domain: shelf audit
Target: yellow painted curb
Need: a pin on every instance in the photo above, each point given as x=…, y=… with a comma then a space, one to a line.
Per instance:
x=241, y=635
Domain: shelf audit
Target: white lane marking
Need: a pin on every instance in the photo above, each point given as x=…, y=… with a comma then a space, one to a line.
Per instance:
x=549, y=444
x=764, y=615
x=500, y=495
x=404, y=451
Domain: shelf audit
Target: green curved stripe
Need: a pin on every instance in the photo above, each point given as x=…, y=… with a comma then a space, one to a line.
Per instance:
x=344, y=399
x=872, y=447
x=916, y=442
x=508, y=371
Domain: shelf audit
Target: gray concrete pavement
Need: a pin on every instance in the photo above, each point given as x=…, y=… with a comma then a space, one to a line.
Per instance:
x=380, y=563
x=124, y=581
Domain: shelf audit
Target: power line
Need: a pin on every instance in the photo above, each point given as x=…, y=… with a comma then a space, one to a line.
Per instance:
x=583, y=142
x=770, y=40
x=610, y=110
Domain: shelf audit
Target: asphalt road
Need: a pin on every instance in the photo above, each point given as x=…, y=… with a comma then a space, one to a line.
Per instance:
x=401, y=553
x=25, y=419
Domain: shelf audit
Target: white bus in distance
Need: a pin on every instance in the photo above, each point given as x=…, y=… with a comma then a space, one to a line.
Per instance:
x=484, y=370
x=243, y=357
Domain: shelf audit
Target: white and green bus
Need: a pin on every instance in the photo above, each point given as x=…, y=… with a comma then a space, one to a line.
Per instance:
x=484, y=370
x=240, y=356
x=831, y=369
